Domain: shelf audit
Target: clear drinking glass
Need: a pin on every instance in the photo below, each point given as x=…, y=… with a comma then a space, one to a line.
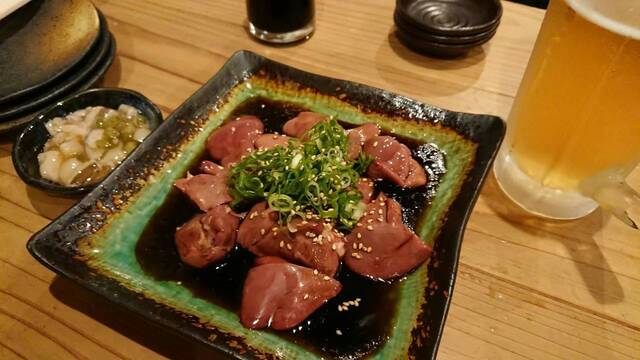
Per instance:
x=281, y=21
x=574, y=130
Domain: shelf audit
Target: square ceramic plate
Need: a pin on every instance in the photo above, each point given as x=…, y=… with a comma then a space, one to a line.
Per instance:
x=112, y=241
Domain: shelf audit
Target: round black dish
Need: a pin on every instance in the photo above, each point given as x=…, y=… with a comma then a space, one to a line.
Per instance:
x=59, y=88
x=414, y=32
x=41, y=41
x=31, y=140
x=451, y=17
x=85, y=83
x=434, y=49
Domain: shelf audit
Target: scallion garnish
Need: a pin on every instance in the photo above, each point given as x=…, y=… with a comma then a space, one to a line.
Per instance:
x=312, y=176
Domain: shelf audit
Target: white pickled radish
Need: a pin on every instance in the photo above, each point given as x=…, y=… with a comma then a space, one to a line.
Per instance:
x=79, y=113
x=71, y=148
x=76, y=129
x=93, y=154
x=58, y=139
x=110, y=113
x=113, y=157
x=140, y=134
x=54, y=126
x=128, y=110
x=70, y=169
x=93, y=137
x=92, y=116
x=50, y=165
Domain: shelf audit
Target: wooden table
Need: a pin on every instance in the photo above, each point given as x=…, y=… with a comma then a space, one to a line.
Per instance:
x=526, y=288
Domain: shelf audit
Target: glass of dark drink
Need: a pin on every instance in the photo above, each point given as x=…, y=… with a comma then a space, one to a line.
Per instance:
x=280, y=21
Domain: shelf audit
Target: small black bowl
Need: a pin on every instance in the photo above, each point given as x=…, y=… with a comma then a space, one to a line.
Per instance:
x=417, y=33
x=451, y=17
x=33, y=137
x=434, y=49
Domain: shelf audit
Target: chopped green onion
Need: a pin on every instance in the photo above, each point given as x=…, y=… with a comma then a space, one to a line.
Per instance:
x=312, y=175
x=280, y=202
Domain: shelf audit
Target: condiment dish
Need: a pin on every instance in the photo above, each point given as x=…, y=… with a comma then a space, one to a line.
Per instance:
x=31, y=140
x=451, y=17
x=422, y=35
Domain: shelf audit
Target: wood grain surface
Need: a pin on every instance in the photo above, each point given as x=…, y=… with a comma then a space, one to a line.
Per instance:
x=526, y=289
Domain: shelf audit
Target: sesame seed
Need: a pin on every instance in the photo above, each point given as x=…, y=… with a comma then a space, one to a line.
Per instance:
x=369, y=227
x=334, y=246
x=380, y=211
x=315, y=271
x=375, y=143
x=338, y=332
x=380, y=219
x=274, y=229
x=360, y=246
x=355, y=246
x=326, y=278
x=359, y=236
x=370, y=221
x=262, y=231
x=289, y=246
x=306, y=296
x=281, y=243
x=358, y=300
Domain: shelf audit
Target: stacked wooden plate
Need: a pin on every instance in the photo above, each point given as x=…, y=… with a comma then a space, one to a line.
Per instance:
x=446, y=28
x=49, y=49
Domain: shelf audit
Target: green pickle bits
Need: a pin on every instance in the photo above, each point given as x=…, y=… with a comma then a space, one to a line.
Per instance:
x=86, y=156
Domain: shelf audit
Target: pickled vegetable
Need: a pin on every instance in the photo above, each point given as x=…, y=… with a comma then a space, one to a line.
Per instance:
x=87, y=144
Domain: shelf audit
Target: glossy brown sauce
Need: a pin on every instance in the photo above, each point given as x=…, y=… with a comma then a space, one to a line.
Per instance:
x=363, y=328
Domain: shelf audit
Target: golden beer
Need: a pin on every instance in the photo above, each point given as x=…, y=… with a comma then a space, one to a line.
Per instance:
x=577, y=113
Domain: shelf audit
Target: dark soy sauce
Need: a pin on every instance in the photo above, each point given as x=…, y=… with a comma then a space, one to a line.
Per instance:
x=280, y=16
x=364, y=328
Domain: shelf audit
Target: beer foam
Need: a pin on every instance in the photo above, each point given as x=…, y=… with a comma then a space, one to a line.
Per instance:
x=619, y=16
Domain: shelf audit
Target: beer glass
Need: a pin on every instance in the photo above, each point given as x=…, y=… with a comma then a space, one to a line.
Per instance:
x=574, y=130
